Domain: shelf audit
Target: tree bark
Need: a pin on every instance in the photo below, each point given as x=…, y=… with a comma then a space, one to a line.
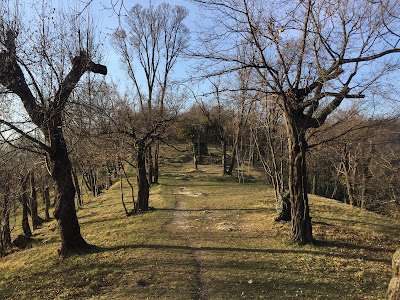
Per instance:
x=143, y=184
x=64, y=212
x=301, y=220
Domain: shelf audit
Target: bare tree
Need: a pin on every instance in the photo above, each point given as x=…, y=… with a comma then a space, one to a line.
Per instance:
x=152, y=38
x=149, y=44
x=310, y=56
x=34, y=60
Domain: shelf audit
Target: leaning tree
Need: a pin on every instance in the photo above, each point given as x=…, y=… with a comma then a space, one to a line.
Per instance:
x=308, y=56
x=41, y=62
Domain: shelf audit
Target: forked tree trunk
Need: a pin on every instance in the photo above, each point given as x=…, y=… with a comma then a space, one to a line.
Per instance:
x=143, y=184
x=301, y=220
x=64, y=212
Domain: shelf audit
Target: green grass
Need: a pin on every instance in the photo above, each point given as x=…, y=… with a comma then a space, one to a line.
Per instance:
x=210, y=238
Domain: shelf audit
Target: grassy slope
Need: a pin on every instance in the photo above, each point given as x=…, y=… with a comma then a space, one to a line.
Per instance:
x=210, y=238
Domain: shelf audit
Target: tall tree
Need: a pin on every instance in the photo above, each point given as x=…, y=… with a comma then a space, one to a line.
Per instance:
x=310, y=56
x=33, y=66
x=149, y=43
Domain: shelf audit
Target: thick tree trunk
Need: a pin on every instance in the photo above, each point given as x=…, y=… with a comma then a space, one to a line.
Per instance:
x=301, y=220
x=64, y=212
x=143, y=184
x=24, y=199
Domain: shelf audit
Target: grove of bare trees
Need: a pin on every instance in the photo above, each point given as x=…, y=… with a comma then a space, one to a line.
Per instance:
x=288, y=87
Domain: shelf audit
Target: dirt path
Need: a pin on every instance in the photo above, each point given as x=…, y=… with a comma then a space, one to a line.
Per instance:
x=185, y=222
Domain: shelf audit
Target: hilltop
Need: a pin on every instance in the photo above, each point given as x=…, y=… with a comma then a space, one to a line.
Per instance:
x=208, y=237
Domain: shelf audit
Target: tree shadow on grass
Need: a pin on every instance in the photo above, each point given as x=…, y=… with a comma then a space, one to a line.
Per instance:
x=218, y=209
x=384, y=228
x=252, y=250
x=349, y=246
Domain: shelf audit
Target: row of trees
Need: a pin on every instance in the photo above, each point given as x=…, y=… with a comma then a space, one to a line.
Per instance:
x=42, y=64
x=352, y=158
x=276, y=73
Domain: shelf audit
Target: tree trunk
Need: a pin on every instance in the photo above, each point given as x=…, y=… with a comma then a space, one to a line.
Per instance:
x=195, y=162
x=36, y=220
x=77, y=188
x=346, y=173
x=232, y=163
x=109, y=175
x=95, y=185
x=6, y=238
x=46, y=200
x=64, y=212
x=314, y=184
x=223, y=144
x=143, y=184
x=301, y=220
x=156, y=163
x=150, y=165
x=24, y=199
